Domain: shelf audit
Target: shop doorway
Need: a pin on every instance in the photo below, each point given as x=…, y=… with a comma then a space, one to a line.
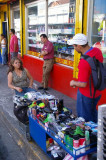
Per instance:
x=4, y=27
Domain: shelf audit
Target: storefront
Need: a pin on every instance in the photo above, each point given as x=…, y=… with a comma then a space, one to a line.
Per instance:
x=57, y=20
x=60, y=20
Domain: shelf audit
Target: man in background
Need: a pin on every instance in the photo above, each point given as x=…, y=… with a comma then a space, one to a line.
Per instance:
x=14, y=48
x=48, y=56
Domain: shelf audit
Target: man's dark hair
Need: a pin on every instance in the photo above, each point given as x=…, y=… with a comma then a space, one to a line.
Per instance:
x=12, y=30
x=43, y=35
x=82, y=45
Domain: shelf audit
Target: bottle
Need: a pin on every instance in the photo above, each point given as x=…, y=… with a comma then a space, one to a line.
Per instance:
x=71, y=134
x=76, y=145
x=82, y=144
x=34, y=113
x=87, y=140
x=66, y=138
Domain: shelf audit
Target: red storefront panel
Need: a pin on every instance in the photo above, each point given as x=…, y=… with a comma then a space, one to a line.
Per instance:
x=59, y=79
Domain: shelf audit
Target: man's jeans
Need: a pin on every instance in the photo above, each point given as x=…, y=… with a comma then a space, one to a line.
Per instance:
x=86, y=107
x=13, y=54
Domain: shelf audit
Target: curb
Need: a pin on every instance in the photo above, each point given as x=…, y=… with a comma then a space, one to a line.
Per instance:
x=31, y=150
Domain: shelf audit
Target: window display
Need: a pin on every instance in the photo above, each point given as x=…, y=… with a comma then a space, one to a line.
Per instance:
x=61, y=27
x=36, y=26
x=98, y=36
x=17, y=26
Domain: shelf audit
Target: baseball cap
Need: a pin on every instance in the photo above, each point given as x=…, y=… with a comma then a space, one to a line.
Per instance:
x=79, y=39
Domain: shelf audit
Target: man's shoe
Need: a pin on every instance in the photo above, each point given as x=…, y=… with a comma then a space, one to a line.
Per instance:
x=45, y=89
x=40, y=87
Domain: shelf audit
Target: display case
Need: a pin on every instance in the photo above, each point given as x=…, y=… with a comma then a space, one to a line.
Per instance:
x=36, y=26
x=97, y=27
x=61, y=27
x=16, y=14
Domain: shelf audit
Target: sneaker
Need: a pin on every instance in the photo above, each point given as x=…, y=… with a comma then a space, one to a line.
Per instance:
x=45, y=89
x=40, y=87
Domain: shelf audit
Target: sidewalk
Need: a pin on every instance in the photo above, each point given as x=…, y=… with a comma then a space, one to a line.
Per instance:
x=31, y=150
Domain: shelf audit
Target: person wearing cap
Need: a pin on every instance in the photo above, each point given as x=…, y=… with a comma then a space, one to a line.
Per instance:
x=86, y=104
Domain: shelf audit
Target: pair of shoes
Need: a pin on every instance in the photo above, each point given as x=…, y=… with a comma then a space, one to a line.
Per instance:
x=45, y=89
x=40, y=87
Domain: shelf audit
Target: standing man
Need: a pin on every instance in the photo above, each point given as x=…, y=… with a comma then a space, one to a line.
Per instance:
x=13, y=44
x=86, y=104
x=48, y=56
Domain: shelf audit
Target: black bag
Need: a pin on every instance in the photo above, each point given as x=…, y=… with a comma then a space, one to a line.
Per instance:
x=21, y=113
x=20, y=108
x=98, y=73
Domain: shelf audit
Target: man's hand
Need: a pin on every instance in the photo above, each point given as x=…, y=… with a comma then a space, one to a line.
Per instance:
x=78, y=84
x=39, y=55
x=72, y=83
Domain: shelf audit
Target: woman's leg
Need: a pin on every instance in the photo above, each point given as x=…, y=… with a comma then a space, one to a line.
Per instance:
x=24, y=90
x=27, y=89
x=3, y=55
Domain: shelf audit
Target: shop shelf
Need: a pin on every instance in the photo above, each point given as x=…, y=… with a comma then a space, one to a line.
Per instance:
x=38, y=132
x=61, y=24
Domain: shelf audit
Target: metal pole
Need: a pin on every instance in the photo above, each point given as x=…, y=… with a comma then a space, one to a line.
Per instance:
x=46, y=18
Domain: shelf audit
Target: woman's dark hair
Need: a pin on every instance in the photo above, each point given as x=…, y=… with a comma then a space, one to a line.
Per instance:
x=2, y=35
x=11, y=67
x=12, y=30
x=43, y=35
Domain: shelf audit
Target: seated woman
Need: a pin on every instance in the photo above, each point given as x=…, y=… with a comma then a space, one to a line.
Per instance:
x=19, y=78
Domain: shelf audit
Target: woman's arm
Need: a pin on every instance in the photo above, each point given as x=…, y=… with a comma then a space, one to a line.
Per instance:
x=4, y=41
x=30, y=78
x=10, y=83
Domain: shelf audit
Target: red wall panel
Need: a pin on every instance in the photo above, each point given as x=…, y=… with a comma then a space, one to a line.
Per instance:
x=60, y=77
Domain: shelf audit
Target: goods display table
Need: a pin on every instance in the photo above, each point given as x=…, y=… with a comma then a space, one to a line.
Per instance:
x=70, y=148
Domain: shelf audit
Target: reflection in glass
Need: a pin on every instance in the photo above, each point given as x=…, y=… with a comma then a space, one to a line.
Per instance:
x=61, y=26
x=99, y=26
x=36, y=26
x=17, y=26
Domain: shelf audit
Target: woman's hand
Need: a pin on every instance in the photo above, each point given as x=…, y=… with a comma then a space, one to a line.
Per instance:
x=18, y=89
x=30, y=87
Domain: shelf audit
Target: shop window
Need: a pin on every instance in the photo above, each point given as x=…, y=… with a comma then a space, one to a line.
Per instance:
x=36, y=26
x=98, y=36
x=17, y=26
x=61, y=27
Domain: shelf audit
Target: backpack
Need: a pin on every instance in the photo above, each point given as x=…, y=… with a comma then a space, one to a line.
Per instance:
x=20, y=108
x=98, y=74
x=21, y=113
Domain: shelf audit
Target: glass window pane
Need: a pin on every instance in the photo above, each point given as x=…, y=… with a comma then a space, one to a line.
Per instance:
x=98, y=37
x=36, y=26
x=61, y=26
x=17, y=26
